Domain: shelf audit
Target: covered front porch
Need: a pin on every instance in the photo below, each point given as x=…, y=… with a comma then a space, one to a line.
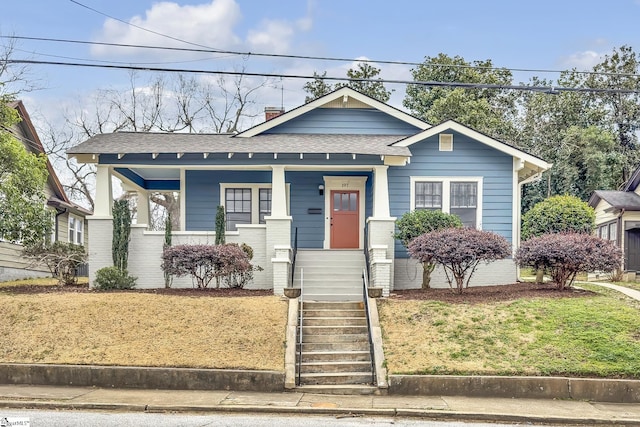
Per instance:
x=275, y=209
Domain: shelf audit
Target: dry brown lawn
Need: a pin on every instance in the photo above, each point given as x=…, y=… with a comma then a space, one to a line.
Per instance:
x=143, y=329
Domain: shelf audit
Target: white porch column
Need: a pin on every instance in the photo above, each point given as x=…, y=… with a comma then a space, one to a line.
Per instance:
x=143, y=207
x=381, y=192
x=278, y=193
x=104, y=195
x=381, y=228
x=278, y=245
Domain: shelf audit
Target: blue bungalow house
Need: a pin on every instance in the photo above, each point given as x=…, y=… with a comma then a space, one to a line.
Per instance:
x=328, y=178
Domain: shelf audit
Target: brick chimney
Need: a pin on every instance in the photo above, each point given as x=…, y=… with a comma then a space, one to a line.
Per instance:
x=271, y=112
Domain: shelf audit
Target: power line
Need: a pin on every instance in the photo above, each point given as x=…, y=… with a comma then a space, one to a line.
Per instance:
x=544, y=89
x=109, y=62
x=134, y=25
x=308, y=57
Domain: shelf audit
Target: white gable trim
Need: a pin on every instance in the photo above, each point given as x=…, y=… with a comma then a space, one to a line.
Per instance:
x=493, y=143
x=323, y=100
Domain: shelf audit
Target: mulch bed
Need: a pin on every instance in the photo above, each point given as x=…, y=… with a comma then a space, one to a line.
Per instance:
x=191, y=292
x=483, y=294
x=472, y=295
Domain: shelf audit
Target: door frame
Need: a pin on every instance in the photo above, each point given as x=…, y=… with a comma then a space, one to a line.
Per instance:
x=630, y=227
x=350, y=183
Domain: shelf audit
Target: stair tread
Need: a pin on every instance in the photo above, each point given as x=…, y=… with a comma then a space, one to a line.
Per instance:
x=334, y=374
x=335, y=362
x=336, y=352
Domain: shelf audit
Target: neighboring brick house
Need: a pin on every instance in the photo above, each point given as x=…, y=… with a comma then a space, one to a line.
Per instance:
x=70, y=224
x=330, y=175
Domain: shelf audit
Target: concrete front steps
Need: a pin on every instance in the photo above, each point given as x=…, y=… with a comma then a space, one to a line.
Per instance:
x=329, y=275
x=336, y=354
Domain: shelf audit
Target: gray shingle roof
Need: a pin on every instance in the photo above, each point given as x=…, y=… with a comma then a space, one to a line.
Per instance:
x=148, y=142
x=620, y=199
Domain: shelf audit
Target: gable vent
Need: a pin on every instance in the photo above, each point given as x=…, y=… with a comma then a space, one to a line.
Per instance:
x=446, y=142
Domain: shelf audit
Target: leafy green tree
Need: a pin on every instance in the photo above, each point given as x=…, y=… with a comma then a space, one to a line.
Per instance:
x=587, y=160
x=488, y=110
x=418, y=222
x=558, y=127
x=317, y=87
x=23, y=177
x=361, y=79
x=619, y=71
x=374, y=89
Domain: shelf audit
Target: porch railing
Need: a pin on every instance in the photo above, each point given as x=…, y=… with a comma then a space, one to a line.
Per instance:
x=300, y=322
x=365, y=297
x=293, y=256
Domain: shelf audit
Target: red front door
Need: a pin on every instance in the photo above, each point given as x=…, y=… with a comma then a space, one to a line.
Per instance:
x=345, y=220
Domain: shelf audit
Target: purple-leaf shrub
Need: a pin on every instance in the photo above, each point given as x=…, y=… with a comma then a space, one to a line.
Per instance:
x=567, y=254
x=459, y=251
x=205, y=262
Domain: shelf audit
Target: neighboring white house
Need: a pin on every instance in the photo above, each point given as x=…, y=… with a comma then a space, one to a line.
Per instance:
x=618, y=219
x=70, y=223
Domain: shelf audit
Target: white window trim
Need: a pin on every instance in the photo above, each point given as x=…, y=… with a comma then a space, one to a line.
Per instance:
x=255, y=198
x=75, y=231
x=446, y=192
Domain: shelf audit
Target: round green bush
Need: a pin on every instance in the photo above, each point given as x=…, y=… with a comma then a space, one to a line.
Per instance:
x=109, y=278
x=558, y=214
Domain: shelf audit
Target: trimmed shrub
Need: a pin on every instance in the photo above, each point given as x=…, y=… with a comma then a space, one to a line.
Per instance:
x=459, y=251
x=109, y=278
x=205, y=262
x=558, y=214
x=168, y=278
x=62, y=259
x=567, y=254
x=239, y=279
x=221, y=226
x=415, y=223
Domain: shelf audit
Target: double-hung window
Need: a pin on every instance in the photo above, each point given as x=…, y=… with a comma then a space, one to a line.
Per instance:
x=245, y=204
x=459, y=196
x=76, y=235
x=609, y=231
x=464, y=202
x=238, y=207
x=428, y=195
x=265, y=203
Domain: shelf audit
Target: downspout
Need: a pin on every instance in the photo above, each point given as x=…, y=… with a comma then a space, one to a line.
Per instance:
x=619, y=234
x=58, y=213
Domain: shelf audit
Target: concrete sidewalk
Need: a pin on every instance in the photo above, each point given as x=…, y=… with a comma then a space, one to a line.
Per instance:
x=434, y=407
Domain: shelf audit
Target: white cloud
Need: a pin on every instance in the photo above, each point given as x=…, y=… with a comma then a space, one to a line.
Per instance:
x=271, y=37
x=212, y=24
x=582, y=60
x=209, y=24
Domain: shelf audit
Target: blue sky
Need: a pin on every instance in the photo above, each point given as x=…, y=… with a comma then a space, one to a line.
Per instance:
x=543, y=34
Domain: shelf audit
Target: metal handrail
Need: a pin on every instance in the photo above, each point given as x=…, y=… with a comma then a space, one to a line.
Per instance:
x=366, y=249
x=301, y=317
x=365, y=295
x=294, y=255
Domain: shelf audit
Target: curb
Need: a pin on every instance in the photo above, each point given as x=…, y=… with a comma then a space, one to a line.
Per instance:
x=137, y=377
x=354, y=412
